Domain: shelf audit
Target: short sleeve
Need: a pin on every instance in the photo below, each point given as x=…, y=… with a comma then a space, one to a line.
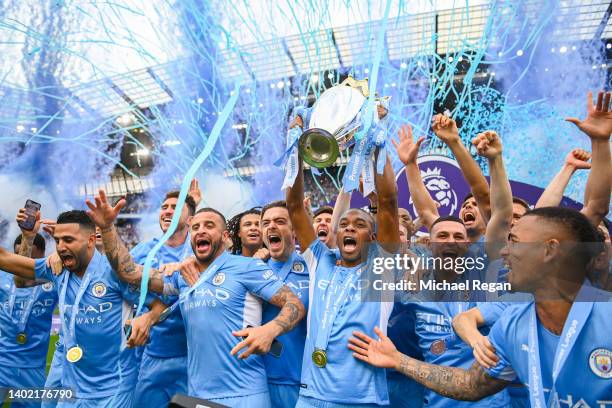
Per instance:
x=499, y=338
x=491, y=311
x=44, y=272
x=260, y=280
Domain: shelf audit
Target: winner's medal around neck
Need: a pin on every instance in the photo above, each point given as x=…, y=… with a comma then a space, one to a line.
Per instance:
x=21, y=338
x=74, y=354
x=319, y=357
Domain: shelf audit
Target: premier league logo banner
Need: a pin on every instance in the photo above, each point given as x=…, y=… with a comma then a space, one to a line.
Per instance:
x=446, y=185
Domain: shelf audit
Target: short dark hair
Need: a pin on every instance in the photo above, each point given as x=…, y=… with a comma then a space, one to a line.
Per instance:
x=212, y=210
x=39, y=242
x=325, y=209
x=191, y=205
x=76, y=217
x=233, y=227
x=520, y=201
x=573, y=222
x=447, y=218
x=467, y=197
x=274, y=204
x=367, y=214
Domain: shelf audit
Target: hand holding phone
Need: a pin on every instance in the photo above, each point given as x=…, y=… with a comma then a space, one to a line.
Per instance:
x=27, y=217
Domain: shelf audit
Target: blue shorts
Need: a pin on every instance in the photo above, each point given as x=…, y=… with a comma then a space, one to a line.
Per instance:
x=159, y=379
x=119, y=400
x=404, y=392
x=54, y=378
x=309, y=402
x=261, y=400
x=13, y=377
x=283, y=395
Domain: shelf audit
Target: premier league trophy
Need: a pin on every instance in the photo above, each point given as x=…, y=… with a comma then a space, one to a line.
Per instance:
x=334, y=118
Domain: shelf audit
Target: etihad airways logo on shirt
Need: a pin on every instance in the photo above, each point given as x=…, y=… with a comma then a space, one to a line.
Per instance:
x=39, y=307
x=89, y=314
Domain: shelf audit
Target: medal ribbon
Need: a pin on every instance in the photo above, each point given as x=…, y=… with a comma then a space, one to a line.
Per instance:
x=331, y=311
x=69, y=336
x=576, y=319
x=23, y=320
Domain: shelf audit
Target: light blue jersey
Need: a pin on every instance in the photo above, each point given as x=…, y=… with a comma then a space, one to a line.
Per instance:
x=166, y=339
x=225, y=302
x=163, y=371
x=98, y=329
x=344, y=380
x=585, y=377
x=441, y=346
x=403, y=391
x=286, y=371
x=38, y=303
x=492, y=312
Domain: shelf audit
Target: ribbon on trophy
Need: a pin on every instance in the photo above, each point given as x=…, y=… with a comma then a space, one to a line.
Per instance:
x=289, y=160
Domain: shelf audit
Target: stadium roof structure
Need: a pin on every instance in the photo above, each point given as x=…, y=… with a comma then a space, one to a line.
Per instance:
x=436, y=32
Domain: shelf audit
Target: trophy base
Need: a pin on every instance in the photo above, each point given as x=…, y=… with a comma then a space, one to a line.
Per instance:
x=318, y=148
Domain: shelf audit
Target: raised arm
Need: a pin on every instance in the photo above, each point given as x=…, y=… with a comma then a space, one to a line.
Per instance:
x=553, y=194
x=343, y=203
x=407, y=152
x=103, y=215
x=259, y=339
x=489, y=145
x=598, y=127
x=302, y=224
x=446, y=130
x=387, y=219
x=27, y=243
x=457, y=383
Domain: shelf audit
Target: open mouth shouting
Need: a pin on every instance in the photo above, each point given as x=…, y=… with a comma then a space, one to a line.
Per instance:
x=349, y=244
x=68, y=261
x=166, y=221
x=275, y=241
x=203, y=245
x=322, y=232
x=469, y=217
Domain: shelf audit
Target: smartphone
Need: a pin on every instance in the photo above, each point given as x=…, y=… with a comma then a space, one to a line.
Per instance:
x=276, y=348
x=31, y=208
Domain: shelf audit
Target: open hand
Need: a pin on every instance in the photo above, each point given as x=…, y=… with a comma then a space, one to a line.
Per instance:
x=598, y=123
x=102, y=214
x=379, y=353
x=407, y=150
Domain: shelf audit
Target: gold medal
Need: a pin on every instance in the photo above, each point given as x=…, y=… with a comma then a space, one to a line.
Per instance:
x=74, y=354
x=22, y=338
x=319, y=357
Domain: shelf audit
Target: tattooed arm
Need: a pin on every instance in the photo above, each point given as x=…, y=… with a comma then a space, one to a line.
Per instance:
x=466, y=385
x=104, y=216
x=259, y=339
x=25, y=249
x=291, y=309
x=457, y=383
x=122, y=262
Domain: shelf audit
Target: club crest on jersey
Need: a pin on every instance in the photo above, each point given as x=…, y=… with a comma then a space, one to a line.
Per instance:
x=600, y=362
x=298, y=267
x=47, y=287
x=98, y=290
x=438, y=347
x=218, y=279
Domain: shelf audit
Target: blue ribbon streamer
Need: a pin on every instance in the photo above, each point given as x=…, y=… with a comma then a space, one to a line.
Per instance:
x=210, y=144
